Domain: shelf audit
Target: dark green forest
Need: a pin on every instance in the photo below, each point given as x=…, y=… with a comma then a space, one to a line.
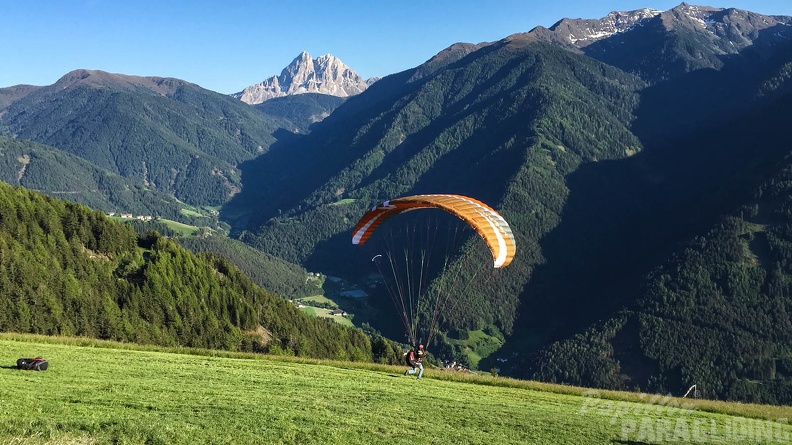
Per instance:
x=716, y=313
x=270, y=272
x=164, y=134
x=68, y=270
x=302, y=110
x=59, y=174
x=286, y=279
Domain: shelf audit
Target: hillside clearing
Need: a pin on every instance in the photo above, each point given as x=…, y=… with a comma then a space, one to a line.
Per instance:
x=111, y=395
x=326, y=313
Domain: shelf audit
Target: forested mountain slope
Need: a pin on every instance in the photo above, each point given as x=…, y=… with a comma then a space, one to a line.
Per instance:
x=712, y=308
x=504, y=124
x=67, y=270
x=60, y=174
x=286, y=279
x=302, y=110
x=604, y=175
x=165, y=134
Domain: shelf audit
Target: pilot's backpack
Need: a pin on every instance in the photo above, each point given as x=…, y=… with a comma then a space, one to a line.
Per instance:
x=409, y=358
x=32, y=364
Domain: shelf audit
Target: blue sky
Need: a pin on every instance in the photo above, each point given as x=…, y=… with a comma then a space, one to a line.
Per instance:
x=226, y=45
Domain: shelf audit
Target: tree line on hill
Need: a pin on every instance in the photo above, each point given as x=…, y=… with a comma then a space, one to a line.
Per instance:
x=68, y=270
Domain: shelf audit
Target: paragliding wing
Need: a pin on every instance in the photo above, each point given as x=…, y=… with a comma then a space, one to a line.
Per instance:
x=484, y=220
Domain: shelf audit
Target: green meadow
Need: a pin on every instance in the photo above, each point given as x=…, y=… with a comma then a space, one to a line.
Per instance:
x=100, y=392
x=326, y=313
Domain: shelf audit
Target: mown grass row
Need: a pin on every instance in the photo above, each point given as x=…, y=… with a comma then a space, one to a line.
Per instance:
x=105, y=392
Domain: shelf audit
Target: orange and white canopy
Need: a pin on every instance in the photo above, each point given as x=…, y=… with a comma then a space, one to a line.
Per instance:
x=488, y=223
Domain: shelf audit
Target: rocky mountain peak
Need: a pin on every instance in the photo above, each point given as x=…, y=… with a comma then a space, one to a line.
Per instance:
x=582, y=32
x=661, y=45
x=325, y=74
x=730, y=29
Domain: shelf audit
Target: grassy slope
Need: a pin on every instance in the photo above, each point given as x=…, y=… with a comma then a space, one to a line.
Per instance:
x=477, y=344
x=325, y=313
x=118, y=394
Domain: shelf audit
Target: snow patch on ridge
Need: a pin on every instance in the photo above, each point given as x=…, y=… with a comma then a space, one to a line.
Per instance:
x=587, y=31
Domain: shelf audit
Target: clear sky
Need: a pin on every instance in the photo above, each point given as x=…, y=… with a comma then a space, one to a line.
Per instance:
x=226, y=45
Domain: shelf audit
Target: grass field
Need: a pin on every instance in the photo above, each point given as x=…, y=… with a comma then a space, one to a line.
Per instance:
x=180, y=228
x=477, y=341
x=99, y=392
x=325, y=313
x=319, y=299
